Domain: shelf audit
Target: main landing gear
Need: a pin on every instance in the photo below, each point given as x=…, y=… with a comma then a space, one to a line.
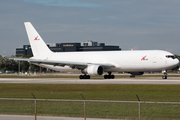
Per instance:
x=132, y=76
x=84, y=77
x=165, y=75
x=109, y=76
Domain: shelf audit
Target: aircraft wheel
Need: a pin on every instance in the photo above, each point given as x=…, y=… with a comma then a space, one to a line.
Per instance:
x=112, y=76
x=88, y=77
x=164, y=77
x=109, y=76
x=105, y=76
x=84, y=77
x=81, y=77
x=132, y=76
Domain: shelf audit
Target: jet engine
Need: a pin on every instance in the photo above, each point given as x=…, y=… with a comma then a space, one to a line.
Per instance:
x=94, y=70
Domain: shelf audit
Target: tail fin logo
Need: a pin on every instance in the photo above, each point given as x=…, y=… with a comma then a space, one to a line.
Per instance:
x=36, y=38
x=144, y=58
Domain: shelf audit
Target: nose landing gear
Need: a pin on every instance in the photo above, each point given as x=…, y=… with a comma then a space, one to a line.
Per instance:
x=165, y=74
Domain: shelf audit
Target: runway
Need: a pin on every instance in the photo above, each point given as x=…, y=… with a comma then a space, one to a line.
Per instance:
x=170, y=80
x=31, y=117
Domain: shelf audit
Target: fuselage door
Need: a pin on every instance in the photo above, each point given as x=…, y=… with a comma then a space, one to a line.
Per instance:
x=154, y=60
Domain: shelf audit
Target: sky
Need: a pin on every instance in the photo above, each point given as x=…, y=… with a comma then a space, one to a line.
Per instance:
x=130, y=24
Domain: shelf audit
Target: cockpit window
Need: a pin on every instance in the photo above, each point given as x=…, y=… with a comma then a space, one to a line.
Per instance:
x=171, y=56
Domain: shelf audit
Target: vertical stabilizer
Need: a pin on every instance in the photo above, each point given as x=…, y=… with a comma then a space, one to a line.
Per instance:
x=38, y=46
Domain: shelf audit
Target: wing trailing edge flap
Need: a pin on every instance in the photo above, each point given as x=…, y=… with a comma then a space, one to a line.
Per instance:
x=73, y=65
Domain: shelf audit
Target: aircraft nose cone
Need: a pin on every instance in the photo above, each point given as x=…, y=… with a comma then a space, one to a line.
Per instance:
x=177, y=62
x=173, y=63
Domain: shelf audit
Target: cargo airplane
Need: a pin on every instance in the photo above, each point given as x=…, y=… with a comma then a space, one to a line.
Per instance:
x=96, y=63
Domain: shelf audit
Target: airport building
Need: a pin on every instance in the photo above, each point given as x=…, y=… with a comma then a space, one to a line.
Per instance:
x=70, y=47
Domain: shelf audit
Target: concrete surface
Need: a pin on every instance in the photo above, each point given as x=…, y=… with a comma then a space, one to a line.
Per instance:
x=170, y=80
x=30, y=117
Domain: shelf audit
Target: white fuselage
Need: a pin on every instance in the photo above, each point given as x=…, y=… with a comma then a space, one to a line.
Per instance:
x=95, y=63
x=123, y=61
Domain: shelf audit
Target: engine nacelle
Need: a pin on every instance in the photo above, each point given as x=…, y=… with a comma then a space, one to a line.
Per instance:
x=136, y=73
x=94, y=70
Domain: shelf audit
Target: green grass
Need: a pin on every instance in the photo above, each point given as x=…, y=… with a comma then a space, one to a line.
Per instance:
x=155, y=93
x=159, y=93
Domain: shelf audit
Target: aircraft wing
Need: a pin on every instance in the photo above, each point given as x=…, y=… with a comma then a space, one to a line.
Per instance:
x=77, y=65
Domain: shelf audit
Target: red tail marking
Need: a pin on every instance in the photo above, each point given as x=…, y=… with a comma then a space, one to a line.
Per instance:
x=144, y=58
x=36, y=38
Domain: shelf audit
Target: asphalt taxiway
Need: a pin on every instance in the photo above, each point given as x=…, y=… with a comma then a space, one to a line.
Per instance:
x=31, y=117
x=150, y=80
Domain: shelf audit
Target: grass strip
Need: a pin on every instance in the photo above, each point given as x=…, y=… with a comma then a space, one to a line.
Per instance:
x=155, y=93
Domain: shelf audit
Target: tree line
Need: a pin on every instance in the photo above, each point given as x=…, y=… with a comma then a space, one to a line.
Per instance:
x=11, y=65
x=7, y=64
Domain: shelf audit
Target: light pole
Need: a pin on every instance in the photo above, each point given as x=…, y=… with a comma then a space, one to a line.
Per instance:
x=19, y=67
